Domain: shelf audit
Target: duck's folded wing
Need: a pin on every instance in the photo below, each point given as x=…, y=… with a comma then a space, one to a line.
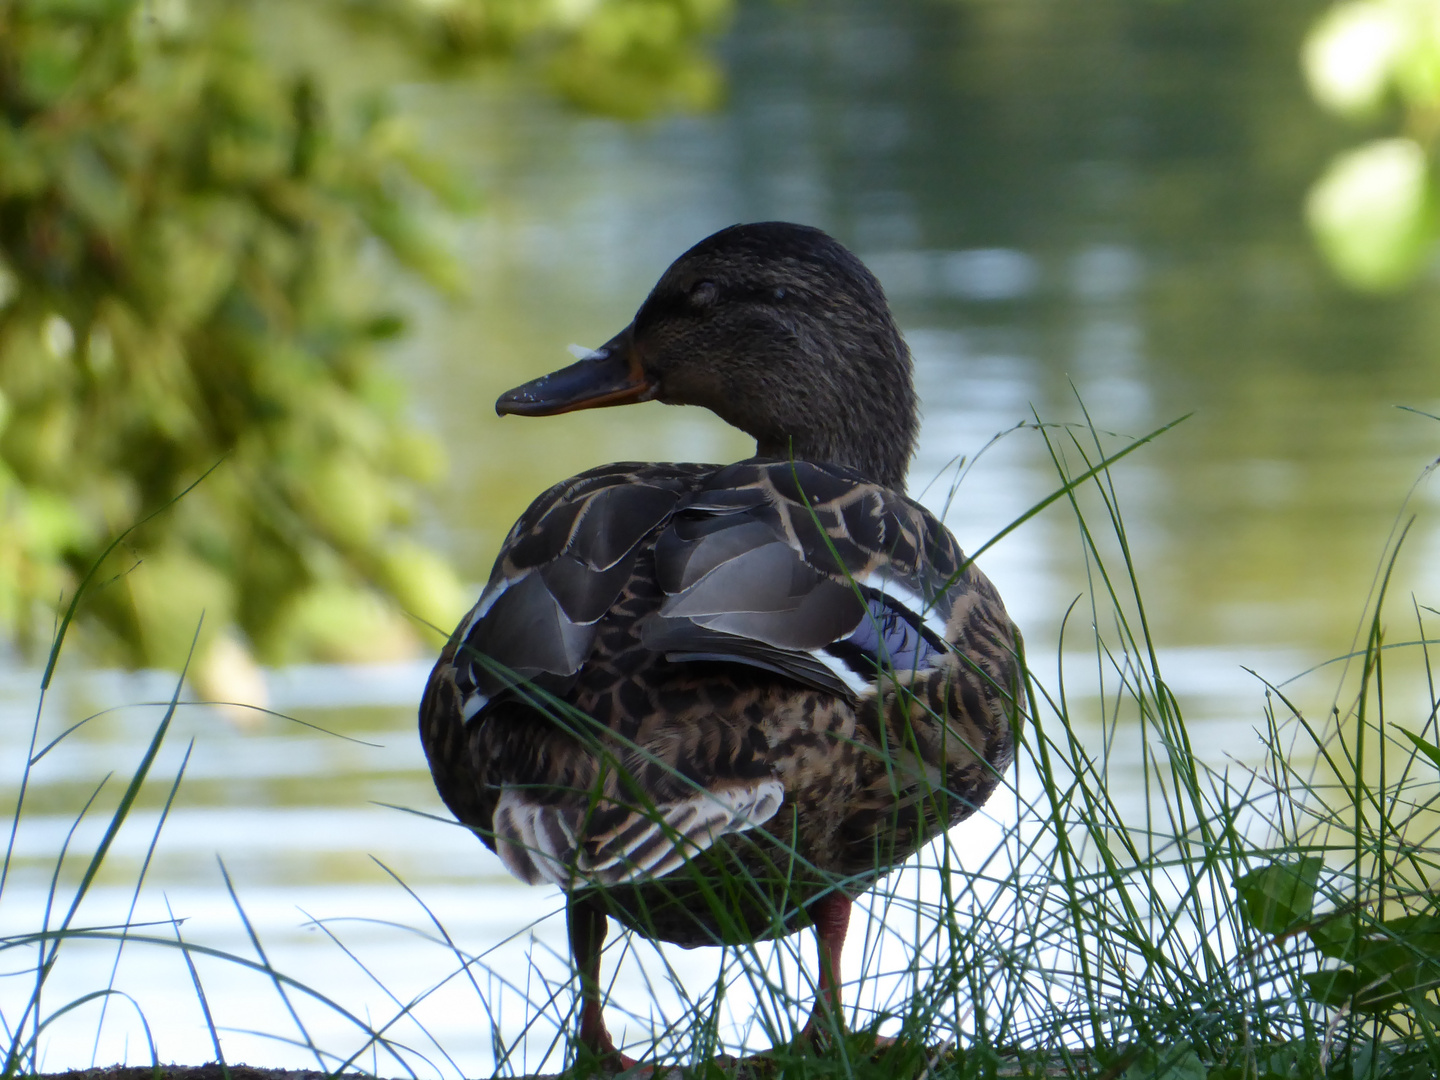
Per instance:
x=809, y=571
x=805, y=570
x=561, y=568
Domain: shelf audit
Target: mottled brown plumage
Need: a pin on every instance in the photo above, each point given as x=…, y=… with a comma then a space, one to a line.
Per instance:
x=715, y=702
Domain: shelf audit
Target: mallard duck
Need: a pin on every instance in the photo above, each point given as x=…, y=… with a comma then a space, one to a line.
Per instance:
x=717, y=702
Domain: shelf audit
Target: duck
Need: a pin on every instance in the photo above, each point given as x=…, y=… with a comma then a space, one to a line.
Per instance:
x=718, y=702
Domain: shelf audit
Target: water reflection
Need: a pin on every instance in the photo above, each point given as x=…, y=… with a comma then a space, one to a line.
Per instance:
x=1092, y=202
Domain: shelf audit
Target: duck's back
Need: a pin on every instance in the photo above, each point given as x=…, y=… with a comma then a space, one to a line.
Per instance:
x=743, y=661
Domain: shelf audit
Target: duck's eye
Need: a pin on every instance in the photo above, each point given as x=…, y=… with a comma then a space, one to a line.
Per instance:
x=778, y=295
x=704, y=293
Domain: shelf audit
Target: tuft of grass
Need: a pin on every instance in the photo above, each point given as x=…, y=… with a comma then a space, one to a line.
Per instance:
x=22, y=1029
x=1271, y=915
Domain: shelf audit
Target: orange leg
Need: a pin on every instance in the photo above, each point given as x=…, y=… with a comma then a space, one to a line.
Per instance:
x=831, y=916
x=585, y=921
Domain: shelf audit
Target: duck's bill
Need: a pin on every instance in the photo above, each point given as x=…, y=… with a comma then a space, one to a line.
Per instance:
x=611, y=375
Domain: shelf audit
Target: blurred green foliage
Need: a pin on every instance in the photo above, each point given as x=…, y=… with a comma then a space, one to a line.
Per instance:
x=194, y=246
x=623, y=57
x=1376, y=211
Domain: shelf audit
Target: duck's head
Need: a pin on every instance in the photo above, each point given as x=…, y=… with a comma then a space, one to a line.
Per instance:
x=777, y=329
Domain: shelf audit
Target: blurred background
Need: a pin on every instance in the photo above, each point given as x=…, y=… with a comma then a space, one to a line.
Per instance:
x=297, y=249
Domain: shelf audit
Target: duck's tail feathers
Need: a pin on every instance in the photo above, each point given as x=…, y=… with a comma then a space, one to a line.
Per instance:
x=540, y=842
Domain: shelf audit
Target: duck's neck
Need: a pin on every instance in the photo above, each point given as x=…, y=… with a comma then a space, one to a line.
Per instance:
x=854, y=407
x=878, y=451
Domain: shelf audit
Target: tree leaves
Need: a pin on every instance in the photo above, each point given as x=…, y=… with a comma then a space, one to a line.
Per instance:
x=182, y=226
x=1374, y=211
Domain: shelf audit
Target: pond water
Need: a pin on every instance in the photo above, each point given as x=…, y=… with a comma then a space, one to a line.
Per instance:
x=1076, y=208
